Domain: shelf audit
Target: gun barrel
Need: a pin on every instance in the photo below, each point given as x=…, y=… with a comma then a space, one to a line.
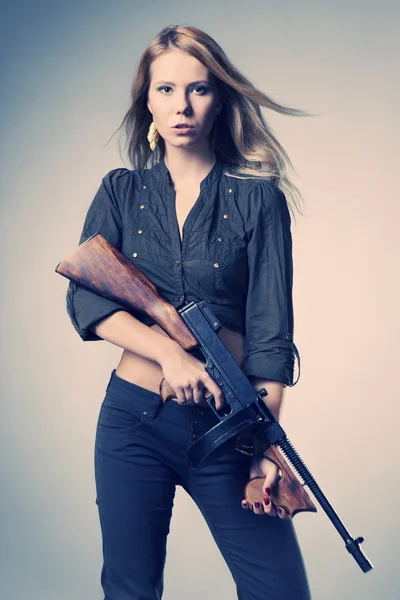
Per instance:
x=358, y=555
x=352, y=544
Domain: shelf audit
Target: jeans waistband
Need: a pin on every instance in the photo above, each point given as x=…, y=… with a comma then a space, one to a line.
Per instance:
x=141, y=399
x=126, y=392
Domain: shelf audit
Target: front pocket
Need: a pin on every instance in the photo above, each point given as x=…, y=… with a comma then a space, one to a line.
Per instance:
x=231, y=276
x=114, y=420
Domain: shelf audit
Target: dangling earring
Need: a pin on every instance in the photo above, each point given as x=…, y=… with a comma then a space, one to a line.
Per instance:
x=153, y=136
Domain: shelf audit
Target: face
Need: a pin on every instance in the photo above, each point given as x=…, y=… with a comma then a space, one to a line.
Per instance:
x=181, y=91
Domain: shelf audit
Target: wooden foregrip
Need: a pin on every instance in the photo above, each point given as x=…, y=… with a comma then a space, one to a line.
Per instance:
x=101, y=268
x=288, y=493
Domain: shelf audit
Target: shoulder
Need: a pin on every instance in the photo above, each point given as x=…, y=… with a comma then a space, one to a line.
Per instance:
x=117, y=180
x=258, y=189
x=261, y=188
x=122, y=184
x=260, y=198
x=121, y=178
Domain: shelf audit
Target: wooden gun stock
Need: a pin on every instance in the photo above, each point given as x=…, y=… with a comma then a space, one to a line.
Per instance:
x=100, y=267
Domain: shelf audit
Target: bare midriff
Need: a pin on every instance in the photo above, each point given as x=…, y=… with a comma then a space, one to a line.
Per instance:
x=148, y=374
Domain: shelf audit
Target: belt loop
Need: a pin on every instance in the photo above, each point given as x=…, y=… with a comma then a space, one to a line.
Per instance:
x=154, y=407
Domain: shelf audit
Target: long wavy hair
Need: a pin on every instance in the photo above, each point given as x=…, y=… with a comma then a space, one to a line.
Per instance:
x=240, y=136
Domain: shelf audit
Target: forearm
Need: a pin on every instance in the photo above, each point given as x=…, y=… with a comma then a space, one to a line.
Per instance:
x=125, y=331
x=275, y=391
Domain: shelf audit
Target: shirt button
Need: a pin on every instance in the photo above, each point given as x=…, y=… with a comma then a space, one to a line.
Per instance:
x=144, y=187
x=178, y=262
x=134, y=254
x=182, y=298
x=140, y=230
x=220, y=239
x=288, y=337
x=141, y=206
x=226, y=216
x=216, y=265
x=229, y=191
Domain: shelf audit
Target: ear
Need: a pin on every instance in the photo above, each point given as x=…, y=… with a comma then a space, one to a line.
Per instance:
x=148, y=106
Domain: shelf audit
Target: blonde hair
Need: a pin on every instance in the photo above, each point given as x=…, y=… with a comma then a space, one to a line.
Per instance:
x=242, y=138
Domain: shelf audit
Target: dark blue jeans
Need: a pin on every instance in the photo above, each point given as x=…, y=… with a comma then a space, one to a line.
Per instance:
x=140, y=457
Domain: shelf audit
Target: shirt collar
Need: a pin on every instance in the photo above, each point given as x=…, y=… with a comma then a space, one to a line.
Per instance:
x=163, y=175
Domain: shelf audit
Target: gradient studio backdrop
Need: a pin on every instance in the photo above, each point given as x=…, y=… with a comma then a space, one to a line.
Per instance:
x=66, y=78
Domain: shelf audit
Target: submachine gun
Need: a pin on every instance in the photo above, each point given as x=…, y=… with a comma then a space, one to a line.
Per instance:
x=99, y=267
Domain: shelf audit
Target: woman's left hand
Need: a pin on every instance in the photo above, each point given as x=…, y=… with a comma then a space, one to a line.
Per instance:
x=263, y=467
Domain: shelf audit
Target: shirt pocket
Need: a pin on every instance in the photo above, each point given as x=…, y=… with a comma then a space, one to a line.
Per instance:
x=149, y=242
x=231, y=270
x=200, y=278
x=150, y=258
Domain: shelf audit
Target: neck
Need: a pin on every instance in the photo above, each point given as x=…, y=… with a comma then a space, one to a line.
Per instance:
x=186, y=167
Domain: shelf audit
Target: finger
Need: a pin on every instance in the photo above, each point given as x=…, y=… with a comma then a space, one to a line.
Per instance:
x=188, y=394
x=282, y=513
x=271, y=473
x=269, y=508
x=202, y=395
x=245, y=504
x=217, y=393
x=258, y=508
x=198, y=395
x=180, y=396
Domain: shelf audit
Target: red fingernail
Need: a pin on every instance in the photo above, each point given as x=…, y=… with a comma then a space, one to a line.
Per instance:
x=267, y=491
x=266, y=500
x=257, y=504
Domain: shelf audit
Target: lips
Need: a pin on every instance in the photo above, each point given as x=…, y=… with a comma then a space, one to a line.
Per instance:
x=183, y=126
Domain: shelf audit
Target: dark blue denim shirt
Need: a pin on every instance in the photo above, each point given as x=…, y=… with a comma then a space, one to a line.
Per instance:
x=235, y=254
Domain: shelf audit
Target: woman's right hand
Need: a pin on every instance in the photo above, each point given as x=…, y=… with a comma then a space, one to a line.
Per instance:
x=188, y=378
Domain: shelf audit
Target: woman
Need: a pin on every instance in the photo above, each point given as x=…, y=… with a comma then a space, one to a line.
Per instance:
x=207, y=221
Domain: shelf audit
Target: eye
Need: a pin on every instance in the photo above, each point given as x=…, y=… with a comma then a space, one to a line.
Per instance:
x=201, y=87
x=163, y=87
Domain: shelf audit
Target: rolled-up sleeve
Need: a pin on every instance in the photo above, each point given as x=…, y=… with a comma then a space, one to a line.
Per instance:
x=269, y=305
x=85, y=308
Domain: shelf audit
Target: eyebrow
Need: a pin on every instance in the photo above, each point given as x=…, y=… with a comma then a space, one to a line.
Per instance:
x=193, y=82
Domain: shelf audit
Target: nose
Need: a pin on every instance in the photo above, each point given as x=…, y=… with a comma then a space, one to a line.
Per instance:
x=182, y=104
